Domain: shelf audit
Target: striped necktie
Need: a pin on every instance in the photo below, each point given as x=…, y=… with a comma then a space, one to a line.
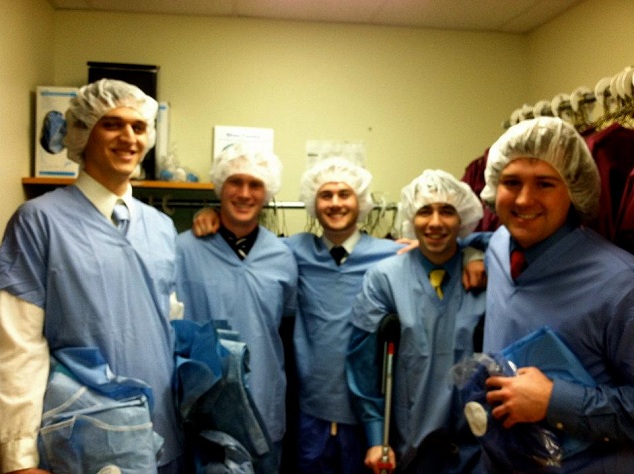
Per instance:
x=242, y=247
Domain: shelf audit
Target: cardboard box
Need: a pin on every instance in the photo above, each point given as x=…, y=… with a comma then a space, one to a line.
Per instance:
x=50, y=155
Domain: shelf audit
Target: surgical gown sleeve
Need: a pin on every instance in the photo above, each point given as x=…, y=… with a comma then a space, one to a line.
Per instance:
x=604, y=412
x=362, y=373
x=364, y=363
x=24, y=365
x=476, y=240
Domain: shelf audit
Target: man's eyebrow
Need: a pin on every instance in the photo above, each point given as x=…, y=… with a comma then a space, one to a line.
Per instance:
x=539, y=176
x=550, y=177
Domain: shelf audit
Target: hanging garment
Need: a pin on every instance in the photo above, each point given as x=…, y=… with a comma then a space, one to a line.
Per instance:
x=474, y=177
x=613, y=151
x=624, y=233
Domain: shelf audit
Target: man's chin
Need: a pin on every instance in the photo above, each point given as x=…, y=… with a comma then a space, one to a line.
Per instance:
x=246, y=218
x=338, y=223
x=435, y=244
x=339, y=227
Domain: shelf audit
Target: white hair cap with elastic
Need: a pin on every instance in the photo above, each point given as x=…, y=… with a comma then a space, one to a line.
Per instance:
x=438, y=186
x=95, y=100
x=242, y=159
x=336, y=169
x=556, y=142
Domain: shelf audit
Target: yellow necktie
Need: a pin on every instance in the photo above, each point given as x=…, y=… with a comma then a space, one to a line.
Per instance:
x=435, y=278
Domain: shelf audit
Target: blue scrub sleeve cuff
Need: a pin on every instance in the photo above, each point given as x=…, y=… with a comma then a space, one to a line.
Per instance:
x=565, y=406
x=477, y=240
x=374, y=433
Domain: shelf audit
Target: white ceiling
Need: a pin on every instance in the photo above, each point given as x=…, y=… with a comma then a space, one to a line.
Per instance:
x=507, y=16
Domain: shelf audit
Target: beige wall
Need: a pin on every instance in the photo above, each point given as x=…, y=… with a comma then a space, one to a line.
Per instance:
x=591, y=41
x=26, y=55
x=418, y=98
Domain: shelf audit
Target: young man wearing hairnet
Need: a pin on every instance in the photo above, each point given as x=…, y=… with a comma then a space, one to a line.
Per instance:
x=70, y=278
x=244, y=278
x=437, y=327
x=336, y=191
x=544, y=185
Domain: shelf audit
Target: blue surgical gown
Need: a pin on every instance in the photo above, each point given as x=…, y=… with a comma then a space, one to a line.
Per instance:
x=322, y=329
x=249, y=296
x=434, y=335
x=583, y=288
x=99, y=288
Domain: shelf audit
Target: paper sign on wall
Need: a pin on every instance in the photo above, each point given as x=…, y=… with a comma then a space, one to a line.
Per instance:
x=253, y=137
x=352, y=150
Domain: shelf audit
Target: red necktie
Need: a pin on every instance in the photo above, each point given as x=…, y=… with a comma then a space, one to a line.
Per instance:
x=518, y=263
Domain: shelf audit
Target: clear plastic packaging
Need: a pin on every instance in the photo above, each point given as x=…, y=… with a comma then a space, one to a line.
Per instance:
x=523, y=448
x=169, y=169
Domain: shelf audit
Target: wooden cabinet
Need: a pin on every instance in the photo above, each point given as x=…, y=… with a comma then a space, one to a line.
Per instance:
x=180, y=201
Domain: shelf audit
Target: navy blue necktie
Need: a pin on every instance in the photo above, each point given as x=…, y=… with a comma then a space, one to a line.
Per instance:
x=338, y=253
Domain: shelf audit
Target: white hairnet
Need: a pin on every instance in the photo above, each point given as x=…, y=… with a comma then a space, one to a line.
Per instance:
x=336, y=169
x=556, y=142
x=95, y=100
x=240, y=159
x=438, y=186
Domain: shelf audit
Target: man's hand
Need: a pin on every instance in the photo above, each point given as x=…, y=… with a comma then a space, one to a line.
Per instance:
x=374, y=457
x=520, y=399
x=206, y=221
x=474, y=275
x=409, y=245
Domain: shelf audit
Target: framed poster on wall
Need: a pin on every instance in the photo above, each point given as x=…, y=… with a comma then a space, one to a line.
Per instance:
x=50, y=160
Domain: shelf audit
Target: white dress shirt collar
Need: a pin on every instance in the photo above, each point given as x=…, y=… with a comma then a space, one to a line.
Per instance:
x=348, y=244
x=102, y=198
